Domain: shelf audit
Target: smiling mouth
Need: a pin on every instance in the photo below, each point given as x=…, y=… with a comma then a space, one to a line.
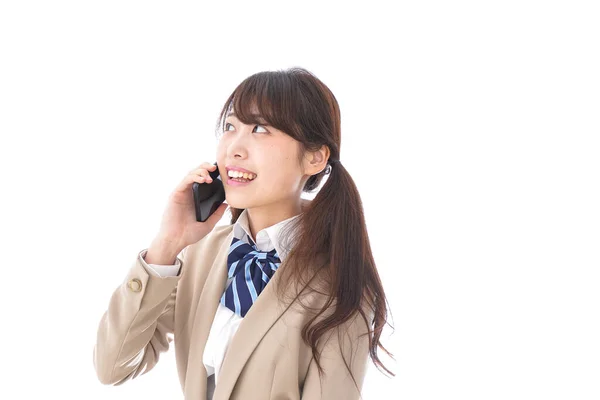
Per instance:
x=239, y=180
x=238, y=176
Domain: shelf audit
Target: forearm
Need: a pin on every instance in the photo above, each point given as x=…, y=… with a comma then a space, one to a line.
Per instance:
x=139, y=315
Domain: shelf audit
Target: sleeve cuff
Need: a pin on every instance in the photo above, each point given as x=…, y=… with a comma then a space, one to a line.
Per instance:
x=160, y=270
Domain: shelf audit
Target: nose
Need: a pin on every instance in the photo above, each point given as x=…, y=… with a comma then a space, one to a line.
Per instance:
x=237, y=146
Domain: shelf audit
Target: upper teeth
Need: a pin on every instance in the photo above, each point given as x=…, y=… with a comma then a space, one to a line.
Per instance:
x=239, y=174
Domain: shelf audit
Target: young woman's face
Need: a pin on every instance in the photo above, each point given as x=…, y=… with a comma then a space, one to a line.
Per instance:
x=268, y=153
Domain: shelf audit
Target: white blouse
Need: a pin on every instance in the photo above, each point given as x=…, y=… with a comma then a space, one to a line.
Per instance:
x=226, y=322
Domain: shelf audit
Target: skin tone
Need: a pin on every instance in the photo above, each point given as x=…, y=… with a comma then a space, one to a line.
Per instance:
x=274, y=195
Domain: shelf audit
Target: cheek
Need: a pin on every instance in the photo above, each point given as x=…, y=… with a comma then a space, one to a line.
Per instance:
x=220, y=151
x=284, y=177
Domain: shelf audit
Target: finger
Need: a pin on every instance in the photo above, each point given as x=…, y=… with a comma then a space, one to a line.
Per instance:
x=208, y=166
x=191, y=178
x=188, y=180
x=205, y=165
x=204, y=173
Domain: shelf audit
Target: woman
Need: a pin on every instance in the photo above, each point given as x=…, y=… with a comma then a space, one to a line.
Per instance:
x=283, y=303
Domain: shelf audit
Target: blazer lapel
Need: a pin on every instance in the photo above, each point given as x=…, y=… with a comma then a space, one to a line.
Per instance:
x=265, y=311
x=205, y=314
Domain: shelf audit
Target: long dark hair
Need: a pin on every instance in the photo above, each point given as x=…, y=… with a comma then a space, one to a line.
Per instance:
x=330, y=235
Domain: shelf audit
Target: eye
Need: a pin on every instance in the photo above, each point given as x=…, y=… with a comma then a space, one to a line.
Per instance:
x=228, y=124
x=261, y=127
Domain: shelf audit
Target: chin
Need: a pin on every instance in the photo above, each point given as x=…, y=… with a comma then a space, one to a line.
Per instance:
x=237, y=201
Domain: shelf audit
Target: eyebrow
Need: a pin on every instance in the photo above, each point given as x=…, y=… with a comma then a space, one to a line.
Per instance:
x=256, y=116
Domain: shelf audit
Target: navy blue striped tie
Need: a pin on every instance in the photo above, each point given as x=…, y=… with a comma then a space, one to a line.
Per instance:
x=251, y=270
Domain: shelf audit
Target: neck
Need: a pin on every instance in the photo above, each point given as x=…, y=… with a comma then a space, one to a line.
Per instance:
x=262, y=217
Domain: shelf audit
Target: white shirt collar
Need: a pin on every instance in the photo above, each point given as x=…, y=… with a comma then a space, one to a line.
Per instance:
x=267, y=239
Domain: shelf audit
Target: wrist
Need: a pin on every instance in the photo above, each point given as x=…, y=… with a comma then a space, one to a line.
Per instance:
x=162, y=252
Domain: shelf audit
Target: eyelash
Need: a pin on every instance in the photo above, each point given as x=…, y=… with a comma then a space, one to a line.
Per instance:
x=262, y=126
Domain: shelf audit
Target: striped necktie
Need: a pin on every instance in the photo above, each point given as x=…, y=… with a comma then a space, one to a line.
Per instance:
x=251, y=270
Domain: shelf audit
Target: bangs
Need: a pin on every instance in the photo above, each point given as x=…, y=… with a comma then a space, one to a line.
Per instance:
x=265, y=98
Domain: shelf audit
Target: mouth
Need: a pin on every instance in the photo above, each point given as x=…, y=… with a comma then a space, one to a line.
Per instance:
x=239, y=178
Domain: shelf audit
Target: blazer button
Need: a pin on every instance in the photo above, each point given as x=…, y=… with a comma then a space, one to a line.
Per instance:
x=135, y=285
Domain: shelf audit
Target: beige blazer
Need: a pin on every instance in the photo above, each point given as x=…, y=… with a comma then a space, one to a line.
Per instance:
x=266, y=359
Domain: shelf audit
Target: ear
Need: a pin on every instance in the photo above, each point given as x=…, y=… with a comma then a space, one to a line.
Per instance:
x=316, y=161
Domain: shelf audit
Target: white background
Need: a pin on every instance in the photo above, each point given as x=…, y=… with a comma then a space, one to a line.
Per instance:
x=470, y=127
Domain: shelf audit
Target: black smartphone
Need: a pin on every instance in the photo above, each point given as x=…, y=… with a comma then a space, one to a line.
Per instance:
x=208, y=196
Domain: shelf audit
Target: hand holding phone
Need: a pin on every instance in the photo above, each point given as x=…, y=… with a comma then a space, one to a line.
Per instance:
x=194, y=207
x=208, y=196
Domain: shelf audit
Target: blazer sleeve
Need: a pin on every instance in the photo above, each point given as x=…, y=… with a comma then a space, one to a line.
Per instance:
x=346, y=344
x=138, y=324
